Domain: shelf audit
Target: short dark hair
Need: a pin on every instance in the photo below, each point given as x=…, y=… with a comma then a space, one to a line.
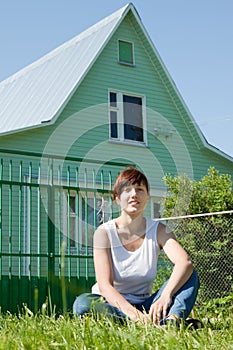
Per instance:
x=129, y=176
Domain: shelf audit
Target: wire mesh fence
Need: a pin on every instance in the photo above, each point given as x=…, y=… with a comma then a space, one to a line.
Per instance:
x=208, y=239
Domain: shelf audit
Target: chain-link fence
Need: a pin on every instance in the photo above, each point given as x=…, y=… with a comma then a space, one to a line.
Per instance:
x=208, y=239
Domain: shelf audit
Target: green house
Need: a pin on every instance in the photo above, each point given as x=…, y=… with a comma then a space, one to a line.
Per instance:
x=69, y=123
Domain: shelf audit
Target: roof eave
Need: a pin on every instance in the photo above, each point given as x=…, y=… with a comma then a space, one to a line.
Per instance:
x=19, y=130
x=127, y=8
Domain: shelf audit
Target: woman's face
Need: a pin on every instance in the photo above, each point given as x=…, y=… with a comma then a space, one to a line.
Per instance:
x=133, y=198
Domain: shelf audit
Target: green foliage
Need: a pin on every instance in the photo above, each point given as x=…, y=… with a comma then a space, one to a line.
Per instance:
x=213, y=193
x=209, y=239
x=180, y=190
x=219, y=307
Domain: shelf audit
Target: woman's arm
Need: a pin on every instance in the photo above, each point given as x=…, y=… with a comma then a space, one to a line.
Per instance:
x=182, y=270
x=104, y=277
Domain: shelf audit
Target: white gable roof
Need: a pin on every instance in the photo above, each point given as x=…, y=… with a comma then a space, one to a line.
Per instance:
x=37, y=93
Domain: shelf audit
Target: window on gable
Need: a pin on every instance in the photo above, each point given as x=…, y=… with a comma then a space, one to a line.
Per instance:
x=126, y=117
x=126, y=52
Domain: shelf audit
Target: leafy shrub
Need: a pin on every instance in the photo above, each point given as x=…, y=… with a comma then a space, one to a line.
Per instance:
x=207, y=239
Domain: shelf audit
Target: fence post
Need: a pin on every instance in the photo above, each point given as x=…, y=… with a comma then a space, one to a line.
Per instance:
x=51, y=241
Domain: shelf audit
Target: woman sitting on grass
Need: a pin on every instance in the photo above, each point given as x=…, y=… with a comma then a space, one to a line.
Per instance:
x=126, y=251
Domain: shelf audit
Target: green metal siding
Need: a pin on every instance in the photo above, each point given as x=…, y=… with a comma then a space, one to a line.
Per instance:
x=147, y=78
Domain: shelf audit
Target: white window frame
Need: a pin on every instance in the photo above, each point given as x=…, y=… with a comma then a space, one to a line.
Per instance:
x=80, y=225
x=67, y=215
x=119, y=109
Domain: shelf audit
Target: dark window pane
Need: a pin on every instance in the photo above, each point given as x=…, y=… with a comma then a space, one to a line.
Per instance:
x=72, y=204
x=126, y=52
x=113, y=125
x=72, y=232
x=156, y=210
x=133, y=128
x=113, y=99
x=91, y=215
x=72, y=220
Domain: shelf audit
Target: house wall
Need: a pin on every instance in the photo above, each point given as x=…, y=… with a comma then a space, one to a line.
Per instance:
x=82, y=128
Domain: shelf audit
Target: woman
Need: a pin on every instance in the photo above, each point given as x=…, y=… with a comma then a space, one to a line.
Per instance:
x=126, y=251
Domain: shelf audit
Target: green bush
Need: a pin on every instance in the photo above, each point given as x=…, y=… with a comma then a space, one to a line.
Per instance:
x=207, y=239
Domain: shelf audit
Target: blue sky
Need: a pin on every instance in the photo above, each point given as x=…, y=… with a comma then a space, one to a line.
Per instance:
x=193, y=38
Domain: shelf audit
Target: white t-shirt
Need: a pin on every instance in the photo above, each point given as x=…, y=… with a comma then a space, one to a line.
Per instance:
x=134, y=272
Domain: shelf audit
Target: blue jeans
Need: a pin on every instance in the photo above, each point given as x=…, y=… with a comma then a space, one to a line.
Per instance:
x=181, y=306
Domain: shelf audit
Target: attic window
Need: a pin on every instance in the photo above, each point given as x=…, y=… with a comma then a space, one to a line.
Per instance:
x=126, y=52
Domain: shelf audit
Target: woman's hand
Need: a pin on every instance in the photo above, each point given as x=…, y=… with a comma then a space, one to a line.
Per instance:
x=143, y=318
x=158, y=310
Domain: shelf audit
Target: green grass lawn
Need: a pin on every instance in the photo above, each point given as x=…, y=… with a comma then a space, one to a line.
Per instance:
x=41, y=331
